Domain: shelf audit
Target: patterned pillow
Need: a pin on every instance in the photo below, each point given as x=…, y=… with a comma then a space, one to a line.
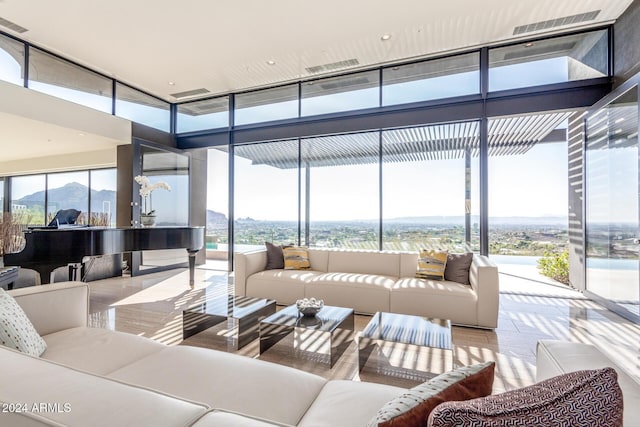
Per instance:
x=275, y=257
x=582, y=398
x=16, y=330
x=431, y=264
x=413, y=407
x=296, y=258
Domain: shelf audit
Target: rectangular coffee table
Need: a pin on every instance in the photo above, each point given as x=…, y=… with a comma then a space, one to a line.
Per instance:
x=327, y=322
x=245, y=312
x=430, y=338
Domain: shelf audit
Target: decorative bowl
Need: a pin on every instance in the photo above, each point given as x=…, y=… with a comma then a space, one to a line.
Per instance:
x=309, y=306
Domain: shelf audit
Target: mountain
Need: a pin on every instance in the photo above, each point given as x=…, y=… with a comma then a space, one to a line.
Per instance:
x=215, y=218
x=71, y=196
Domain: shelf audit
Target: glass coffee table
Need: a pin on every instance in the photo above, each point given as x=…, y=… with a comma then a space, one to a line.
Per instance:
x=427, y=340
x=330, y=322
x=244, y=312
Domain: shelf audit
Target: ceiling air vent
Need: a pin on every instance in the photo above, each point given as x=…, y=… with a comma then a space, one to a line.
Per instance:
x=189, y=93
x=332, y=66
x=12, y=26
x=558, y=22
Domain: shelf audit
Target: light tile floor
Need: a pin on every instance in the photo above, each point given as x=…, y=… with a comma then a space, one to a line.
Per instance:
x=151, y=306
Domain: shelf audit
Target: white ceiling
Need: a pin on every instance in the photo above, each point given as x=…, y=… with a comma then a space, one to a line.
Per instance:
x=224, y=45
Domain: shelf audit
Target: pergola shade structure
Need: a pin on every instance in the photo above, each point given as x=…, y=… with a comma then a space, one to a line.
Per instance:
x=506, y=136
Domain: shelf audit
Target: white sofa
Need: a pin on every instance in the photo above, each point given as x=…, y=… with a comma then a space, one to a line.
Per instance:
x=370, y=281
x=98, y=377
x=559, y=357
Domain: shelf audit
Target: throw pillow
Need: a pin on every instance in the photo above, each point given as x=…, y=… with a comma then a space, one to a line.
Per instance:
x=275, y=257
x=431, y=264
x=582, y=398
x=16, y=330
x=457, y=268
x=296, y=258
x=413, y=407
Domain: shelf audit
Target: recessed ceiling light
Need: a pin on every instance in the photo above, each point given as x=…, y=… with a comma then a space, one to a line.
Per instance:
x=385, y=37
x=528, y=45
x=171, y=83
x=271, y=62
x=81, y=134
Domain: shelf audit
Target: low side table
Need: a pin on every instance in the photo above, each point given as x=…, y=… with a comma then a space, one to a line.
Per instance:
x=403, y=331
x=327, y=322
x=246, y=313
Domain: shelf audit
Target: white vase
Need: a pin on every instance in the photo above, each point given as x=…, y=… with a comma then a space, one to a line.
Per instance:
x=147, y=220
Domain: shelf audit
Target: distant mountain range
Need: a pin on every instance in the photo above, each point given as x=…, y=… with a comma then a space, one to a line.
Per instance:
x=70, y=196
x=219, y=218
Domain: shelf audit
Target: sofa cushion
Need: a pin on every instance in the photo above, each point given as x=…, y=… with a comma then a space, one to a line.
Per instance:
x=431, y=264
x=413, y=407
x=227, y=419
x=296, y=258
x=348, y=403
x=81, y=399
x=582, y=398
x=364, y=262
x=285, y=286
x=365, y=293
x=16, y=330
x=457, y=268
x=96, y=350
x=275, y=256
x=227, y=381
x=434, y=298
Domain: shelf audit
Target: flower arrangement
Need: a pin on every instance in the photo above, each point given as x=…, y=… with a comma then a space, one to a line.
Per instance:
x=146, y=188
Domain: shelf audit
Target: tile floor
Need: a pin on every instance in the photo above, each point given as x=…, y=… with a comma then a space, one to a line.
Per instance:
x=151, y=306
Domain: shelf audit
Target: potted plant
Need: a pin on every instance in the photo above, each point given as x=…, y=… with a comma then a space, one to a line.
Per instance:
x=147, y=213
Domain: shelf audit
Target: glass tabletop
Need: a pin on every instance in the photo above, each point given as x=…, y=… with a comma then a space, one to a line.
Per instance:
x=326, y=320
x=230, y=305
x=416, y=330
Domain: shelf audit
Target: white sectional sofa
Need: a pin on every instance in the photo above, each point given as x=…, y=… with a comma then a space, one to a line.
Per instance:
x=98, y=377
x=370, y=281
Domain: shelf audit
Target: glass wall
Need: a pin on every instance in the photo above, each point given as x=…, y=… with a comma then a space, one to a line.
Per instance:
x=528, y=191
x=430, y=188
x=65, y=190
x=11, y=60
x=27, y=199
x=554, y=60
x=170, y=207
x=69, y=190
x=206, y=114
x=142, y=108
x=266, y=184
x=342, y=178
x=103, y=197
x=343, y=93
x=434, y=79
x=611, y=194
x=57, y=77
x=218, y=204
x=266, y=105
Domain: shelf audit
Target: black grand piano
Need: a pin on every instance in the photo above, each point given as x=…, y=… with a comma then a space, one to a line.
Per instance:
x=49, y=248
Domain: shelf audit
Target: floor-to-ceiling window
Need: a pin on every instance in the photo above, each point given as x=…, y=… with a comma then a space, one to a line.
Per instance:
x=430, y=187
x=266, y=185
x=611, y=194
x=528, y=190
x=28, y=199
x=103, y=197
x=217, y=204
x=342, y=180
x=68, y=190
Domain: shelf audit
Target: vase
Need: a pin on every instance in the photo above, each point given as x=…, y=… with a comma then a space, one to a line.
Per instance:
x=147, y=220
